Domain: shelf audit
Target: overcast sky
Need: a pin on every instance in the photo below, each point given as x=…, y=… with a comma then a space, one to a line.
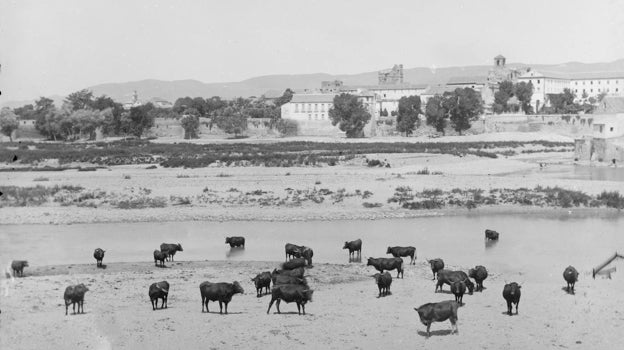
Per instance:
x=56, y=47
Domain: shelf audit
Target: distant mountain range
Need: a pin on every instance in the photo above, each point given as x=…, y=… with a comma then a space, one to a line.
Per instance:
x=172, y=90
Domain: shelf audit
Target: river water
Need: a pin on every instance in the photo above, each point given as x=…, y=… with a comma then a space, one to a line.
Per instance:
x=540, y=246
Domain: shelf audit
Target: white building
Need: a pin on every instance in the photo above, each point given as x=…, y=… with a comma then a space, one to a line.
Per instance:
x=583, y=85
x=311, y=112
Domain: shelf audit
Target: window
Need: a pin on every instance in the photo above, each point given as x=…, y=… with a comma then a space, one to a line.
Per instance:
x=316, y=107
x=583, y=83
x=611, y=129
x=591, y=90
x=538, y=81
x=316, y=117
x=608, y=82
x=576, y=83
x=296, y=107
x=575, y=90
x=591, y=82
x=309, y=116
x=617, y=89
x=598, y=90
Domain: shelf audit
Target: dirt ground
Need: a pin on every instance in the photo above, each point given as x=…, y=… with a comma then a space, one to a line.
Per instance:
x=345, y=312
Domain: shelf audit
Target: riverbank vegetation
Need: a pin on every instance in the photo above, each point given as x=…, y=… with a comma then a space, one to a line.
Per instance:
x=404, y=197
x=281, y=154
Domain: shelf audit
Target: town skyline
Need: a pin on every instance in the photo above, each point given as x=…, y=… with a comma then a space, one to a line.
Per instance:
x=49, y=49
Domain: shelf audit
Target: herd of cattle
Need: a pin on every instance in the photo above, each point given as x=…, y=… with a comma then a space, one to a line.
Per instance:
x=290, y=284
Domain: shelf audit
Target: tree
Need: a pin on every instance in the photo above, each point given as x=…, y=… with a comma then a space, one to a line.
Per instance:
x=112, y=123
x=350, y=115
x=524, y=92
x=288, y=127
x=285, y=98
x=26, y=112
x=138, y=120
x=8, y=122
x=407, y=116
x=232, y=121
x=82, y=99
x=464, y=106
x=190, y=123
x=436, y=114
x=563, y=102
x=214, y=104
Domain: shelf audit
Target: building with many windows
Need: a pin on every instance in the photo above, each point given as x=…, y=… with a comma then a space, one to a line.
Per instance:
x=583, y=85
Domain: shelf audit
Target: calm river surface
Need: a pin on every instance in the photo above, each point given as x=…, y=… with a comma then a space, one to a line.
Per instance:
x=540, y=246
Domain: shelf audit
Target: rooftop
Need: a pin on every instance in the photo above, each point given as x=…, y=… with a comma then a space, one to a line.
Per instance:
x=313, y=98
x=475, y=79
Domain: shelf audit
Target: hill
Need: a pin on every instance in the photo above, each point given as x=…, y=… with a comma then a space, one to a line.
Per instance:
x=171, y=90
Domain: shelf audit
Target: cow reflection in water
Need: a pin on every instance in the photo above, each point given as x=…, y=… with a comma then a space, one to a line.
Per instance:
x=355, y=259
x=234, y=252
x=490, y=243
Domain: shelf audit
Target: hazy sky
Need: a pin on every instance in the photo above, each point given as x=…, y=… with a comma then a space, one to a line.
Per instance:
x=56, y=47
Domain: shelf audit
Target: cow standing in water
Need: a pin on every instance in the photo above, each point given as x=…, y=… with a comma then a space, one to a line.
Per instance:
x=491, y=235
x=235, y=241
x=399, y=252
x=98, y=254
x=354, y=247
x=170, y=249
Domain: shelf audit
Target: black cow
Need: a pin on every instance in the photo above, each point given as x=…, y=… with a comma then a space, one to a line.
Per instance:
x=438, y=312
x=235, y=241
x=171, y=249
x=75, y=295
x=383, y=283
x=262, y=280
x=98, y=254
x=298, y=272
x=282, y=279
x=291, y=293
x=381, y=264
x=159, y=290
x=479, y=273
x=294, y=263
x=491, y=234
x=221, y=292
x=292, y=251
x=458, y=288
x=511, y=293
x=448, y=277
x=18, y=267
x=570, y=275
x=307, y=253
x=159, y=256
x=354, y=246
x=398, y=252
x=436, y=265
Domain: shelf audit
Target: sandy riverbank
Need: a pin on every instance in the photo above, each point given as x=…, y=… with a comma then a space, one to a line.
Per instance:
x=224, y=187
x=345, y=312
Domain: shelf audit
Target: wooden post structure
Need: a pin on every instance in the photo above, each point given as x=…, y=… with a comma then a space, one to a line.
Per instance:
x=607, y=262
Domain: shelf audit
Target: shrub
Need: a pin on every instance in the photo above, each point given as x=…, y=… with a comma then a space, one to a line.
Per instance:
x=288, y=127
x=611, y=199
x=41, y=179
x=371, y=205
x=424, y=171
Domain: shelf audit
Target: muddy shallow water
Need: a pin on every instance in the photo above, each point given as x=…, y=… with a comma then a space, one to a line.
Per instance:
x=538, y=246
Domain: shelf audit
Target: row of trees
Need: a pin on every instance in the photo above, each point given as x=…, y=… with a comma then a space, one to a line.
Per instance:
x=567, y=102
x=230, y=116
x=82, y=113
x=459, y=108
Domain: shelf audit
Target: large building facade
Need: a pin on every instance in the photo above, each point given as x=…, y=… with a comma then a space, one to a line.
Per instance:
x=583, y=85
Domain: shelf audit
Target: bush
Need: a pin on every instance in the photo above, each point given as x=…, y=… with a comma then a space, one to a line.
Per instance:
x=288, y=127
x=371, y=205
x=612, y=199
